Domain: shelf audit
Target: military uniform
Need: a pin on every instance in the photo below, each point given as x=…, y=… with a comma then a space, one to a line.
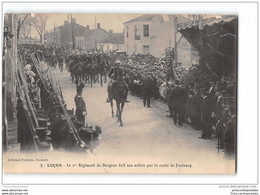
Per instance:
x=117, y=77
x=81, y=110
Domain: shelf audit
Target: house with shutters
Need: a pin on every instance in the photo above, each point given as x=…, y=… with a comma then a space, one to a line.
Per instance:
x=151, y=34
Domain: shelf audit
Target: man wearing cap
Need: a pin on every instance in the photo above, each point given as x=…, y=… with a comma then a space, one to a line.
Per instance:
x=116, y=74
x=80, y=86
x=81, y=110
x=116, y=71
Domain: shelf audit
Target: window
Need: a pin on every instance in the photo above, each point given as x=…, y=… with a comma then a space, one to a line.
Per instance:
x=146, y=49
x=137, y=35
x=146, y=30
x=127, y=32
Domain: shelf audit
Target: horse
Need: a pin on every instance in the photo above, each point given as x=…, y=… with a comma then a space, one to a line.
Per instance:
x=117, y=90
x=102, y=69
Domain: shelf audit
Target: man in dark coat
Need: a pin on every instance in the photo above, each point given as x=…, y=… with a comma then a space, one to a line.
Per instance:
x=195, y=109
x=206, y=114
x=148, y=84
x=81, y=110
x=230, y=139
x=169, y=96
x=178, y=97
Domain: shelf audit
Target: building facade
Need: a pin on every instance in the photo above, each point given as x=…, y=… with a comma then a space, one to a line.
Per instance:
x=151, y=34
x=115, y=42
x=65, y=35
x=91, y=37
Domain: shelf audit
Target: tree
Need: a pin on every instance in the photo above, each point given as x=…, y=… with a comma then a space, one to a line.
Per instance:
x=39, y=23
x=21, y=24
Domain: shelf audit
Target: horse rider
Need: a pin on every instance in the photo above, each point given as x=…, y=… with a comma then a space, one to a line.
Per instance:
x=116, y=75
x=116, y=72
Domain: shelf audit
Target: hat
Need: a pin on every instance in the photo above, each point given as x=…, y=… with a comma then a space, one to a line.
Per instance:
x=81, y=85
x=118, y=62
x=79, y=89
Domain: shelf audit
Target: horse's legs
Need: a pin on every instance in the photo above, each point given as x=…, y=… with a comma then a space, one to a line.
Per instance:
x=95, y=78
x=121, y=111
x=111, y=104
x=101, y=82
x=76, y=80
x=105, y=78
x=118, y=111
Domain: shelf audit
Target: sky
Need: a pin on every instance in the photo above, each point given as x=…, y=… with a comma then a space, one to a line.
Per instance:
x=108, y=22
x=113, y=22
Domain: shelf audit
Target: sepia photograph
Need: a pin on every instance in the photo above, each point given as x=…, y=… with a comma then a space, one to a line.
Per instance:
x=120, y=93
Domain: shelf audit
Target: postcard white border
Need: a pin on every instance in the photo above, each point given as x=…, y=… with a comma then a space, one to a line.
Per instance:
x=247, y=92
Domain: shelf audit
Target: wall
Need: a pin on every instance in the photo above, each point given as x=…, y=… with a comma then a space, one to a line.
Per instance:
x=161, y=36
x=186, y=53
x=118, y=47
x=94, y=37
x=80, y=42
x=107, y=47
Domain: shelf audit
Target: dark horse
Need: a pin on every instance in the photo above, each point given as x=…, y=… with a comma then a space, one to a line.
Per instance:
x=117, y=90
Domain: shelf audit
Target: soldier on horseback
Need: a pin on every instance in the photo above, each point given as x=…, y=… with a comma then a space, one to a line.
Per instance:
x=117, y=89
x=116, y=74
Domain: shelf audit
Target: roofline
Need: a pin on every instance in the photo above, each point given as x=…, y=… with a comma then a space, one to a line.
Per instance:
x=137, y=22
x=130, y=21
x=70, y=23
x=112, y=43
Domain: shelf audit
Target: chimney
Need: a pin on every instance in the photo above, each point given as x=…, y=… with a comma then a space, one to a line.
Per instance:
x=66, y=22
x=73, y=20
x=87, y=27
x=111, y=31
x=98, y=25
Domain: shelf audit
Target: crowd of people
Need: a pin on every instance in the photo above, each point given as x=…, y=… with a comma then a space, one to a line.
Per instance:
x=205, y=104
x=209, y=106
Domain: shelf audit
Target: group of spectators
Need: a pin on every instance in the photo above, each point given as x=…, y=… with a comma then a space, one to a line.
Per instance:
x=210, y=107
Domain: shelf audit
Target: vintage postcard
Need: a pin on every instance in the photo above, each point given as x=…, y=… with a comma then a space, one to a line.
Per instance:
x=120, y=93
